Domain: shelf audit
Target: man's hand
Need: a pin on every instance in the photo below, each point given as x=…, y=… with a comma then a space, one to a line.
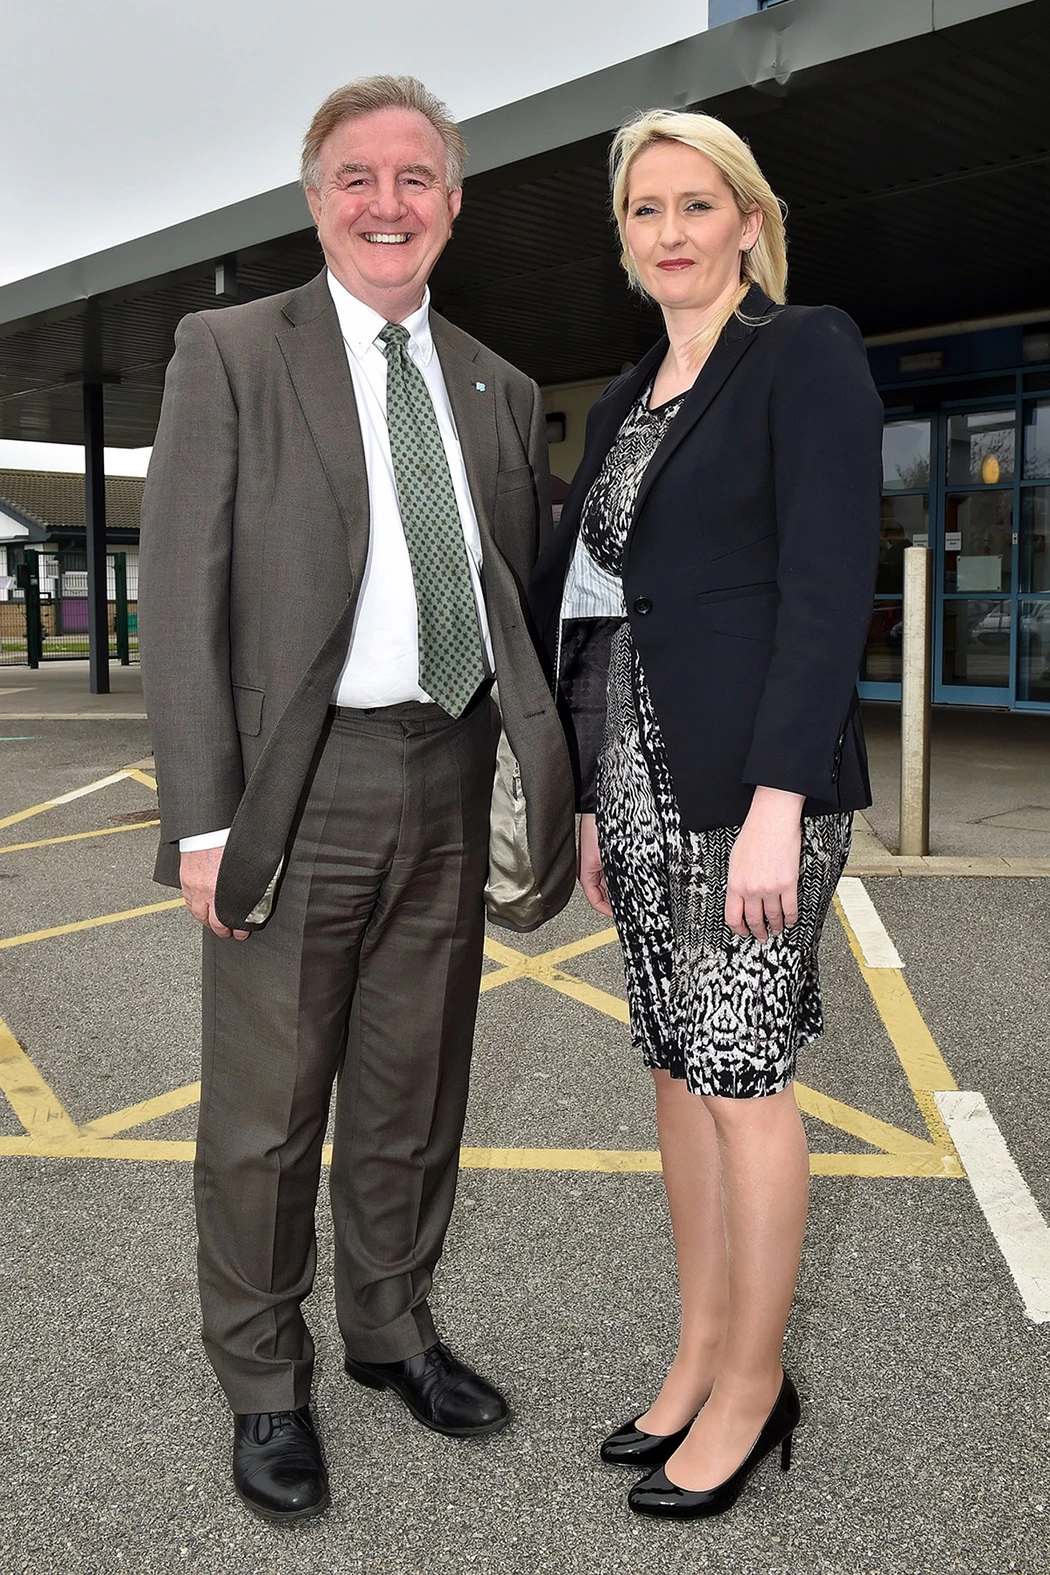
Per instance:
x=589, y=867
x=762, y=898
x=198, y=873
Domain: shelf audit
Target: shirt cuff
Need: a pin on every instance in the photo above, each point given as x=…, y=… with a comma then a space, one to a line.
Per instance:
x=205, y=839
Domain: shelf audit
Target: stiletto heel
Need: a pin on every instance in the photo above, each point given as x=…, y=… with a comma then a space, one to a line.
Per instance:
x=656, y=1494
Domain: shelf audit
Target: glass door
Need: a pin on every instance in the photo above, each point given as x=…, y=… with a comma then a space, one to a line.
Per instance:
x=1033, y=615
x=907, y=448
x=973, y=483
x=976, y=568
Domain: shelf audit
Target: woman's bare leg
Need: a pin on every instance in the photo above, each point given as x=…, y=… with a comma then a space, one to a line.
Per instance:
x=689, y=1147
x=764, y=1163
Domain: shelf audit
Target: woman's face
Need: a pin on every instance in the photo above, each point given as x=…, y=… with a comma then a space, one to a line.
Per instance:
x=684, y=230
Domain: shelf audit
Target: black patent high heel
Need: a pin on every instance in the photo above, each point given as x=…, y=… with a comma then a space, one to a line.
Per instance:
x=657, y=1495
x=629, y=1446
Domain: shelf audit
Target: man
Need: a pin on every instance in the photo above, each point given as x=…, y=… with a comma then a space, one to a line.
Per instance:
x=344, y=504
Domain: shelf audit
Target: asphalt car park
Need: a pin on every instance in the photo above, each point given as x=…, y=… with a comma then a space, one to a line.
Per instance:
x=919, y=1336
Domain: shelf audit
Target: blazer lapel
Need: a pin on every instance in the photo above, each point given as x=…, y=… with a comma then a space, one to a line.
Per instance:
x=313, y=350
x=613, y=407
x=548, y=580
x=730, y=349
x=473, y=401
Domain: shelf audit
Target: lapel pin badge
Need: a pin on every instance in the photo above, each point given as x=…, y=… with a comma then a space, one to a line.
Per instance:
x=480, y=387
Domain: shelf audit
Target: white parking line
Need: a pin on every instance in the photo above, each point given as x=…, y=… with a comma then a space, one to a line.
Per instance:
x=1013, y=1216
x=872, y=937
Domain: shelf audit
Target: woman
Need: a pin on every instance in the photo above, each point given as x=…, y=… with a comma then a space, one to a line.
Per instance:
x=707, y=597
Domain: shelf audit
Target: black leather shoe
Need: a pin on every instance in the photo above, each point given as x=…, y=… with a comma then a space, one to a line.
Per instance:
x=656, y=1494
x=439, y=1391
x=277, y=1466
x=628, y=1446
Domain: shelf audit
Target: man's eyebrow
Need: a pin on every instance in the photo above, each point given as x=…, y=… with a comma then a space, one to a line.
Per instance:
x=359, y=167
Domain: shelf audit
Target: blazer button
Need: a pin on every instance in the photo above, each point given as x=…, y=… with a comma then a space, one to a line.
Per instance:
x=643, y=605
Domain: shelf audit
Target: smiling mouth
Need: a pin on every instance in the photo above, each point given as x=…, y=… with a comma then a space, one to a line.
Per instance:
x=379, y=238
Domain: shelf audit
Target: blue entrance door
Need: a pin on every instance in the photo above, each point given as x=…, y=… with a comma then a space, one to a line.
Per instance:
x=971, y=481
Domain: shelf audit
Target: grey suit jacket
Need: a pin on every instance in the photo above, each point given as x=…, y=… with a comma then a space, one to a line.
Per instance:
x=255, y=525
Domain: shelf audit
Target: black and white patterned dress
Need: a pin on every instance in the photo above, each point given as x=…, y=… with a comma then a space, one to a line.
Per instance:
x=726, y=1014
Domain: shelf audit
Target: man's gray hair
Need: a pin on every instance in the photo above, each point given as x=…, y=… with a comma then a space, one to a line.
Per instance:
x=365, y=97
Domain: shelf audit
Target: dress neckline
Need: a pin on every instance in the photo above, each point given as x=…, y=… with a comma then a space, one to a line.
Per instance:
x=658, y=410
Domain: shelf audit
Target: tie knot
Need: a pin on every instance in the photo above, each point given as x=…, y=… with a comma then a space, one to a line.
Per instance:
x=394, y=334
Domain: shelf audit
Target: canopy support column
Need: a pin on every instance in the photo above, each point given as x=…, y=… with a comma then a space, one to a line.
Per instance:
x=95, y=521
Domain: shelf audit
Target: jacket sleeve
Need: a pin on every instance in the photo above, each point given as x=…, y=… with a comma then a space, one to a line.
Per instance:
x=184, y=578
x=826, y=422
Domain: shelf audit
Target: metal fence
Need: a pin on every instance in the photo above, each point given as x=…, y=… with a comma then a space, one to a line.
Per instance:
x=46, y=619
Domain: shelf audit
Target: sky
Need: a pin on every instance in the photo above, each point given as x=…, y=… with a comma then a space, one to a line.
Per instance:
x=119, y=119
x=70, y=457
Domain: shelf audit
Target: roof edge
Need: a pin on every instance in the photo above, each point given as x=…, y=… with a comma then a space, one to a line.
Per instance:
x=761, y=51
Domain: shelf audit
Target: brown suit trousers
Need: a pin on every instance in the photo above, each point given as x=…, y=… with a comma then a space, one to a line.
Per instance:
x=368, y=973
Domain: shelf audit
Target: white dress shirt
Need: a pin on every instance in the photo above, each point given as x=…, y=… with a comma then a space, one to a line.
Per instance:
x=382, y=663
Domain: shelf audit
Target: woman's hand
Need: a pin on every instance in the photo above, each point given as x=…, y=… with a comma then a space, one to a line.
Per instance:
x=762, y=895
x=589, y=867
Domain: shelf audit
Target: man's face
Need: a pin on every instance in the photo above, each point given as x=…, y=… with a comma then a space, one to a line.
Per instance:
x=382, y=210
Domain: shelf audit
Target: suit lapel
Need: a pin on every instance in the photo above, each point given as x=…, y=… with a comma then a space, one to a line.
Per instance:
x=313, y=350
x=473, y=401
x=730, y=349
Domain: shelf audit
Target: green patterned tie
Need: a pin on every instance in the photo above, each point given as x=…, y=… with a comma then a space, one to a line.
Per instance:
x=451, y=661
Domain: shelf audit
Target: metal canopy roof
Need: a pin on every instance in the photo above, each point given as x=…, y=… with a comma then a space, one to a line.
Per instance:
x=911, y=142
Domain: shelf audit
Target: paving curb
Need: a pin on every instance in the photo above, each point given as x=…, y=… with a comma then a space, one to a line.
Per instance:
x=871, y=857
x=73, y=716
x=986, y=868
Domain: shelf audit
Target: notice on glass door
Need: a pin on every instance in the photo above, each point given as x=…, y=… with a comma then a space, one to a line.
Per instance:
x=979, y=573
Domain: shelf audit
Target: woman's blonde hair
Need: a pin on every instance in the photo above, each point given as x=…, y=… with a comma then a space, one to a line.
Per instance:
x=766, y=263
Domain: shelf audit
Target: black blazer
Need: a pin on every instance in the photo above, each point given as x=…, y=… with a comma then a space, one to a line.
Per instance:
x=750, y=564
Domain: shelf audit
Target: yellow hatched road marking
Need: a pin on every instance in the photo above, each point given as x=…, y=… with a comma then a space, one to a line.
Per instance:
x=63, y=798
x=133, y=771
x=145, y=1110
x=589, y=943
x=50, y=1132
x=520, y=965
x=78, y=836
x=89, y=924
x=80, y=1147
x=33, y=1102
x=924, y=1066
x=596, y=1161
x=609, y=1161
x=938, y=1159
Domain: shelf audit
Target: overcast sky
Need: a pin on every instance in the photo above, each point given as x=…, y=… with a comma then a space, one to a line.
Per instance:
x=66, y=456
x=124, y=116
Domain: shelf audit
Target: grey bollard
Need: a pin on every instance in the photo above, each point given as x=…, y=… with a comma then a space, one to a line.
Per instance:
x=916, y=655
